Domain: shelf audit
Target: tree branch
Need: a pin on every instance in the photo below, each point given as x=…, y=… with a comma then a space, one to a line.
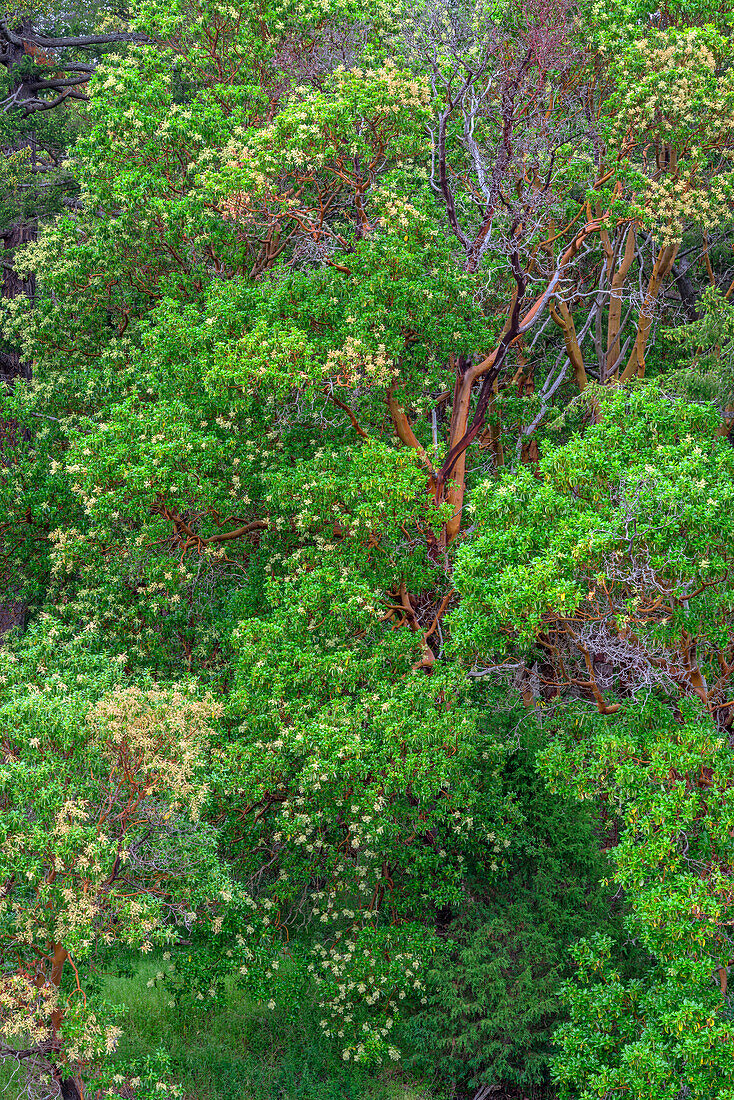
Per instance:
x=83, y=40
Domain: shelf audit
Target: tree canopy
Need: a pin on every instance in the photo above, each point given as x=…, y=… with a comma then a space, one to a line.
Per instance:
x=366, y=481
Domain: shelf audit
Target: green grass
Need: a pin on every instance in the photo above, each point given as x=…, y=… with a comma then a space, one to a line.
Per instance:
x=12, y=1085
x=238, y=1050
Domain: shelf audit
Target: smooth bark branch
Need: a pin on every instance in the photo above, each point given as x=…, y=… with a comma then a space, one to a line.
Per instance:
x=88, y=40
x=355, y=423
x=443, y=184
x=429, y=658
x=406, y=434
x=564, y=320
x=189, y=538
x=615, y=302
x=463, y=434
x=663, y=265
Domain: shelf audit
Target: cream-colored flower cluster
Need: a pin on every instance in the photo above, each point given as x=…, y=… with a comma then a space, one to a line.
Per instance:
x=355, y=361
x=157, y=739
x=26, y=1006
x=396, y=212
x=674, y=125
x=672, y=204
x=660, y=79
x=352, y=974
x=319, y=135
x=64, y=555
x=400, y=89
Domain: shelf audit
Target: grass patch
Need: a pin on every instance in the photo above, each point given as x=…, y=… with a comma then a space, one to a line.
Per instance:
x=235, y=1049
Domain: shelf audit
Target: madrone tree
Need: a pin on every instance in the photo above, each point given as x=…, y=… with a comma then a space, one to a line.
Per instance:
x=101, y=845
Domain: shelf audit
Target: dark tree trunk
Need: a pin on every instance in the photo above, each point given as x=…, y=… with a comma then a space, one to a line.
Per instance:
x=11, y=365
x=686, y=288
x=70, y=1088
x=12, y=610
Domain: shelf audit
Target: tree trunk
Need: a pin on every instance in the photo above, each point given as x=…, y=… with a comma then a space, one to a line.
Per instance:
x=70, y=1088
x=11, y=365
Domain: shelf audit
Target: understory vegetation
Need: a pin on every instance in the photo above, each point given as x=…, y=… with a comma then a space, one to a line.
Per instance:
x=366, y=550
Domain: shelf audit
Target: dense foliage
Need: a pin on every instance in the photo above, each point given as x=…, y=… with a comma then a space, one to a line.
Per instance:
x=366, y=481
